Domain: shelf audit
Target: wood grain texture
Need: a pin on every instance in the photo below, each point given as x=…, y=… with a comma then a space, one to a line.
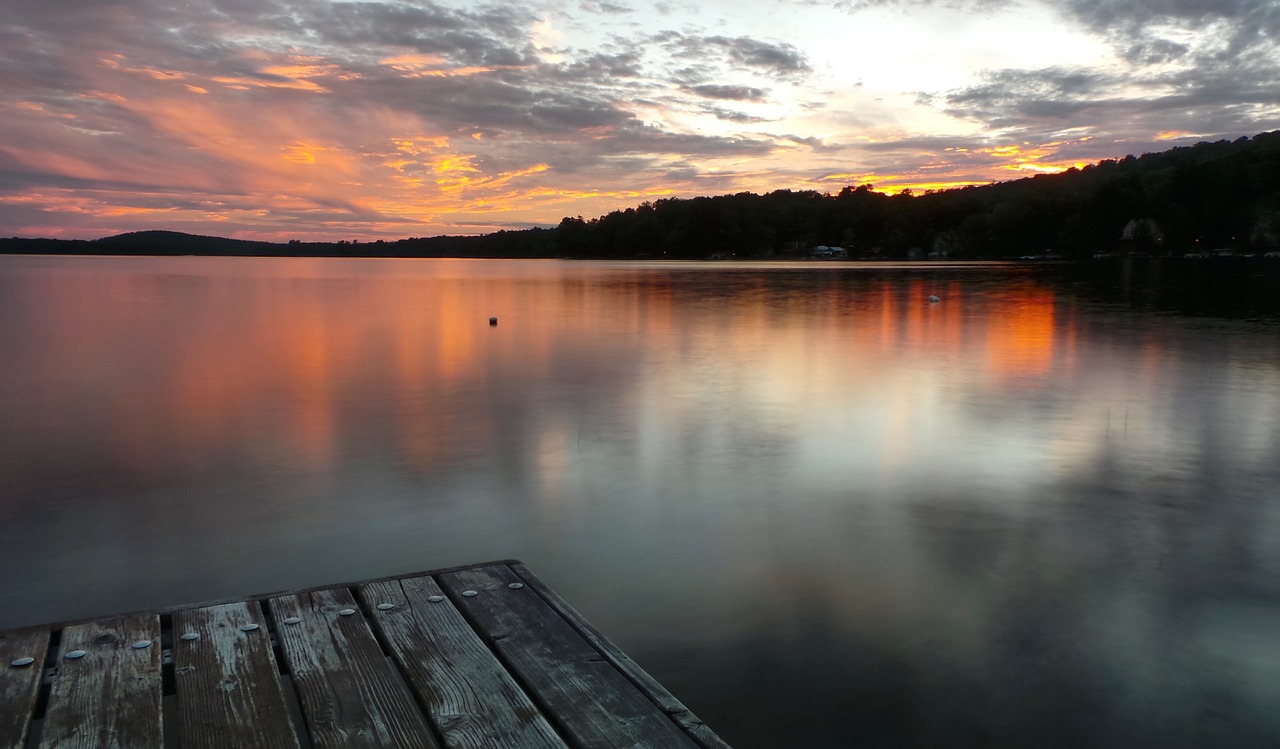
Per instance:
x=227, y=686
x=503, y=668
x=20, y=686
x=350, y=694
x=698, y=730
x=110, y=698
x=471, y=699
x=594, y=703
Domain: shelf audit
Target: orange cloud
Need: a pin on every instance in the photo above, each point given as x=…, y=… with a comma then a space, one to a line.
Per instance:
x=244, y=84
x=117, y=62
x=418, y=65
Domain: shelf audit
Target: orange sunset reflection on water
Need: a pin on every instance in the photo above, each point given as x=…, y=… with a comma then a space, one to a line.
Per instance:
x=703, y=457
x=161, y=367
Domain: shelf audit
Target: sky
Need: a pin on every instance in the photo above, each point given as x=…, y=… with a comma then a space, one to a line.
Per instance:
x=320, y=120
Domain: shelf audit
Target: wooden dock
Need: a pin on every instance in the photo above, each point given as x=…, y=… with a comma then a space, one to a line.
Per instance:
x=478, y=656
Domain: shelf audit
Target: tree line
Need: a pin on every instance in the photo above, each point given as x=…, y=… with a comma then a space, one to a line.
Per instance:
x=1217, y=196
x=1211, y=196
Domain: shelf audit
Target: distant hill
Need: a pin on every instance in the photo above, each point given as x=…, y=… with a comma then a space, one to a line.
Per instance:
x=529, y=243
x=178, y=243
x=140, y=243
x=1209, y=198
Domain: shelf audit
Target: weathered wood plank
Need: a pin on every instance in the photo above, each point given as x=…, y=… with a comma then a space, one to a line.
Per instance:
x=20, y=685
x=591, y=699
x=700, y=732
x=350, y=694
x=227, y=685
x=506, y=668
x=110, y=696
x=472, y=700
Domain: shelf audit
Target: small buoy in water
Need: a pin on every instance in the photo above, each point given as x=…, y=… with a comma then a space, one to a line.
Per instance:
x=493, y=321
x=933, y=299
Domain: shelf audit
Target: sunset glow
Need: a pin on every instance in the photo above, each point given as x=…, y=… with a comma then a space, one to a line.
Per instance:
x=383, y=120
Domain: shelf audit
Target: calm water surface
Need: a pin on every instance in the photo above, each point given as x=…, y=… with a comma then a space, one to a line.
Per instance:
x=823, y=511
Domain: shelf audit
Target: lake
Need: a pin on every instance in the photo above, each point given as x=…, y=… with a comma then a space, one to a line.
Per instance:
x=821, y=509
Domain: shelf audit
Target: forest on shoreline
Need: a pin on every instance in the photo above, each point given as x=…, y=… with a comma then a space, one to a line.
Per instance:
x=1211, y=198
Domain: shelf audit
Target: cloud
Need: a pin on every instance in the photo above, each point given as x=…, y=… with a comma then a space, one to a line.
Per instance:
x=489, y=36
x=731, y=93
x=1199, y=99
x=605, y=7
x=1252, y=21
x=730, y=115
x=1010, y=98
x=372, y=114
x=602, y=67
x=1193, y=66
x=1209, y=32
x=777, y=59
x=966, y=6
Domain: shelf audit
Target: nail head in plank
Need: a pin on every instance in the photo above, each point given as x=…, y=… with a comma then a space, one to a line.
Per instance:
x=469, y=696
x=350, y=694
x=227, y=684
x=20, y=686
x=110, y=697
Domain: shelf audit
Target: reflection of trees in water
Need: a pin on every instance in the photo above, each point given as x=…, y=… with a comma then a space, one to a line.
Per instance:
x=916, y=521
x=1237, y=287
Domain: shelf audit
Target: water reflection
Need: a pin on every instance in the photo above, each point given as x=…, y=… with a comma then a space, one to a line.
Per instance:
x=823, y=510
